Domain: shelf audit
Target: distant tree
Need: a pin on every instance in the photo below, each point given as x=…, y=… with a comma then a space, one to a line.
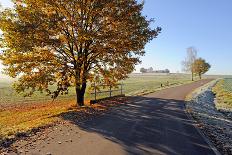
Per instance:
x=200, y=67
x=189, y=60
x=69, y=43
x=150, y=70
x=167, y=71
x=143, y=70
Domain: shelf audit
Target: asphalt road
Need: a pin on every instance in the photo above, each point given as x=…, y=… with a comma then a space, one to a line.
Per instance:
x=153, y=124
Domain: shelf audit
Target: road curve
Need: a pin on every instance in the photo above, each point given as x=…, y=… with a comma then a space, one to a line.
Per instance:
x=152, y=124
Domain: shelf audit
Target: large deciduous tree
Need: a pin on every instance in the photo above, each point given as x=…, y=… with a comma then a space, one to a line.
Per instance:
x=187, y=64
x=72, y=42
x=200, y=67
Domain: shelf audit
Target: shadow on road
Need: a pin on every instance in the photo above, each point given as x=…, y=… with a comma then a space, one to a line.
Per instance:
x=148, y=126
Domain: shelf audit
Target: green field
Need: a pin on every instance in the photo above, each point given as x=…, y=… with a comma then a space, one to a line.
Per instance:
x=228, y=84
x=145, y=83
x=223, y=91
x=136, y=84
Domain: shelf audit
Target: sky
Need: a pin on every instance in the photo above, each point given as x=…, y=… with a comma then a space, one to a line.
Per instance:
x=204, y=24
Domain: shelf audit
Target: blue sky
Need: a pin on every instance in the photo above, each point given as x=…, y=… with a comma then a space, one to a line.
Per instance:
x=204, y=24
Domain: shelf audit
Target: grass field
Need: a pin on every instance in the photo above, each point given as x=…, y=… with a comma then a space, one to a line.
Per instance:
x=144, y=83
x=19, y=114
x=135, y=85
x=228, y=85
x=223, y=91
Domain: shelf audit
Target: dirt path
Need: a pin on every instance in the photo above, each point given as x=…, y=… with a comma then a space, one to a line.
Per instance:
x=153, y=124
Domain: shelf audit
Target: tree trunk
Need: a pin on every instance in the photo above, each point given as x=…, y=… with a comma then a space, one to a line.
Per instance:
x=80, y=93
x=192, y=77
x=200, y=76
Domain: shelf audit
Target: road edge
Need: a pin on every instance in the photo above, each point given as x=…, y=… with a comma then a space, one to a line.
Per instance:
x=205, y=137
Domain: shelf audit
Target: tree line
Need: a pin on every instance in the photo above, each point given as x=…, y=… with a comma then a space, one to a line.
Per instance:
x=150, y=70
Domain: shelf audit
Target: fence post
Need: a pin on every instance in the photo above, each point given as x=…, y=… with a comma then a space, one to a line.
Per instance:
x=95, y=92
x=110, y=91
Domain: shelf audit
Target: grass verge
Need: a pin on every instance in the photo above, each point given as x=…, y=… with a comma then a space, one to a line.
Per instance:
x=223, y=93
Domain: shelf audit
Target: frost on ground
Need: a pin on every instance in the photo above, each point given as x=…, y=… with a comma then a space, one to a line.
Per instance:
x=216, y=125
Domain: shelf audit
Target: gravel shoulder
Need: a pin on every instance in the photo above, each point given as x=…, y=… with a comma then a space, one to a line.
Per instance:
x=215, y=125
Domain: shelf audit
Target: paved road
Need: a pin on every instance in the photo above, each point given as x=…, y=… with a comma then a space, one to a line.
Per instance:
x=153, y=124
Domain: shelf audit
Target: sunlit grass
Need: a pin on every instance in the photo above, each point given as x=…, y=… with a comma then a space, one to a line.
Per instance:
x=24, y=118
x=223, y=91
x=21, y=119
x=140, y=84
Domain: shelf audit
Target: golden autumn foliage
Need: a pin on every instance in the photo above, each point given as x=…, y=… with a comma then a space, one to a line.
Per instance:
x=69, y=43
x=200, y=67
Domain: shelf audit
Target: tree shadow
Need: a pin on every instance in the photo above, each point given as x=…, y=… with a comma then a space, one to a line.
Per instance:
x=148, y=126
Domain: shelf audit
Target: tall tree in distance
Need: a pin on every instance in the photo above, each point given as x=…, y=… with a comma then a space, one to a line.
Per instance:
x=187, y=64
x=143, y=70
x=200, y=67
x=150, y=69
x=71, y=42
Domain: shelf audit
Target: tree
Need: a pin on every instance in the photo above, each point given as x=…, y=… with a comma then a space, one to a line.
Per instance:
x=150, y=70
x=69, y=43
x=143, y=70
x=189, y=60
x=167, y=71
x=200, y=67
